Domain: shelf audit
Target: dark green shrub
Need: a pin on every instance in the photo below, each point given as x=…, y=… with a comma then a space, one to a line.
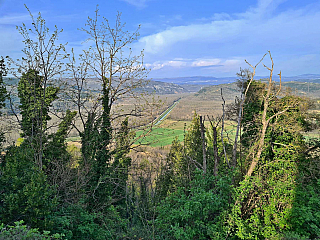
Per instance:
x=25, y=193
x=195, y=213
x=75, y=222
x=22, y=232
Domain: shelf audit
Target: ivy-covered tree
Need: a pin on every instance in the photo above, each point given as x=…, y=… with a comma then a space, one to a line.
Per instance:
x=29, y=187
x=34, y=108
x=274, y=151
x=37, y=72
x=34, y=104
x=266, y=199
x=121, y=163
x=3, y=94
x=25, y=192
x=97, y=154
x=103, y=132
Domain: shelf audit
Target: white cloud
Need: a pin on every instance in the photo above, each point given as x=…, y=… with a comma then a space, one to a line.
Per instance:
x=196, y=67
x=221, y=17
x=173, y=63
x=137, y=3
x=264, y=9
x=258, y=27
x=14, y=19
x=206, y=62
x=216, y=64
x=230, y=66
x=215, y=31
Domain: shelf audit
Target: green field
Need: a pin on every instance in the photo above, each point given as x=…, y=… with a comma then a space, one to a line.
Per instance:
x=168, y=130
x=157, y=138
x=164, y=133
x=160, y=137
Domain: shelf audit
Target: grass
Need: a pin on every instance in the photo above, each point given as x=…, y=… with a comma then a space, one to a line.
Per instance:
x=73, y=139
x=164, y=133
x=169, y=129
x=160, y=137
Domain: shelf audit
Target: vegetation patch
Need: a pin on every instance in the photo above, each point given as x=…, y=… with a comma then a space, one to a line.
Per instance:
x=160, y=137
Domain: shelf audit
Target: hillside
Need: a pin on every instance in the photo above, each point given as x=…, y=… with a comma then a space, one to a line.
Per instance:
x=307, y=89
x=161, y=88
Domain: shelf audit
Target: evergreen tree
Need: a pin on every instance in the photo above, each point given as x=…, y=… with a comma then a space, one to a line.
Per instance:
x=121, y=163
x=96, y=139
x=193, y=155
x=182, y=161
x=172, y=176
x=34, y=106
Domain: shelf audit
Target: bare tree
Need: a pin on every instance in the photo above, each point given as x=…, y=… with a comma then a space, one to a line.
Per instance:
x=105, y=76
x=222, y=129
x=204, y=151
x=244, y=75
x=270, y=94
x=42, y=56
x=215, y=145
x=110, y=57
x=109, y=62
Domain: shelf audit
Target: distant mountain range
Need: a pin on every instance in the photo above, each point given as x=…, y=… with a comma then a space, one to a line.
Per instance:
x=196, y=83
x=300, y=88
x=159, y=87
x=201, y=80
x=196, y=80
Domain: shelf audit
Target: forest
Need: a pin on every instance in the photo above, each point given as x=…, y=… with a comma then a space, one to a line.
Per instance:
x=262, y=181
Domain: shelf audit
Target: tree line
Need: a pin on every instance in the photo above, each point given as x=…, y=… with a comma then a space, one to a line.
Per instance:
x=262, y=182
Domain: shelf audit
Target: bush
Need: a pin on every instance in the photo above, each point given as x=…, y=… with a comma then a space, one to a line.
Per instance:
x=195, y=213
x=25, y=192
x=21, y=231
x=75, y=222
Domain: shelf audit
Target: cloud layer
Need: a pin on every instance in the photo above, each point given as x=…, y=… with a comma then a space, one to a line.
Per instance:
x=249, y=34
x=216, y=44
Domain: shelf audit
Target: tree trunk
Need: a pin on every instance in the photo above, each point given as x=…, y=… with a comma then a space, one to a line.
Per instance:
x=204, y=152
x=215, y=152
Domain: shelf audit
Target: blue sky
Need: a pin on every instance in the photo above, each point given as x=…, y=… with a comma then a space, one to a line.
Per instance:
x=188, y=37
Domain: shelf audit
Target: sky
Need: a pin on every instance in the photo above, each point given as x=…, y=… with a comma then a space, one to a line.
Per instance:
x=186, y=37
